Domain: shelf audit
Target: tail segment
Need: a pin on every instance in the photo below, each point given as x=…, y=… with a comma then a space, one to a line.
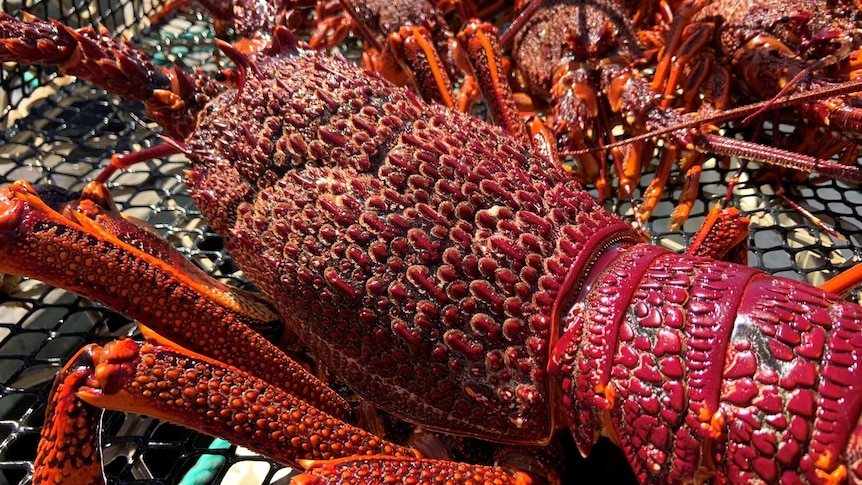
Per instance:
x=702, y=369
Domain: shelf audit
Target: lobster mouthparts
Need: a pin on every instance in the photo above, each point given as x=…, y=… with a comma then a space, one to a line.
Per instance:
x=398, y=238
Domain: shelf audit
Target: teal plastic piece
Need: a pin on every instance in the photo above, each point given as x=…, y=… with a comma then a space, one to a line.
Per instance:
x=205, y=469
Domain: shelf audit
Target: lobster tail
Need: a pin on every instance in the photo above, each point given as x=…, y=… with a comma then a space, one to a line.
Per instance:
x=700, y=368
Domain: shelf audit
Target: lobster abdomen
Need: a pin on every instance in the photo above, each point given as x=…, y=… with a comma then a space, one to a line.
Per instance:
x=701, y=368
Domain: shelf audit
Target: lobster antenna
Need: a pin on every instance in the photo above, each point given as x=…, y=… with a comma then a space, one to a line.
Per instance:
x=727, y=115
x=177, y=144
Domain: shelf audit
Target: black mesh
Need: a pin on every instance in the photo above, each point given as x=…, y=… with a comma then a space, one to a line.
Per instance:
x=63, y=138
x=68, y=133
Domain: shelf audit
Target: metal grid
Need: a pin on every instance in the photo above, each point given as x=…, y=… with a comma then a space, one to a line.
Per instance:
x=61, y=132
x=64, y=138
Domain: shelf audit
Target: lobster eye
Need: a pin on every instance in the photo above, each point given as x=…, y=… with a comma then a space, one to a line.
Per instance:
x=784, y=19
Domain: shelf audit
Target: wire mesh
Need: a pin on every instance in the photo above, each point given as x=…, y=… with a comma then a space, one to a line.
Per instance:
x=61, y=132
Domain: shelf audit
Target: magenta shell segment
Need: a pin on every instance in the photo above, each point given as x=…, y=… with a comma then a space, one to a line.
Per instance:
x=712, y=368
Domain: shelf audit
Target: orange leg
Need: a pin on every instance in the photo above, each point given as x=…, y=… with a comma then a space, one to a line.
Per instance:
x=632, y=157
x=653, y=192
x=414, y=49
x=696, y=37
x=683, y=16
x=174, y=384
x=68, y=451
x=79, y=255
x=723, y=236
x=177, y=385
x=479, y=41
x=690, y=189
x=844, y=281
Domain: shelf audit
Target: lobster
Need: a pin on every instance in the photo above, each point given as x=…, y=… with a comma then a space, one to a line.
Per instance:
x=584, y=68
x=252, y=20
x=573, y=65
x=406, y=42
x=451, y=276
x=776, y=47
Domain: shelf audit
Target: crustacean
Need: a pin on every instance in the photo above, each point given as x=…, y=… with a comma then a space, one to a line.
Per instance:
x=415, y=44
x=584, y=69
x=774, y=47
x=406, y=42
x=457, y=279
x=252, y=20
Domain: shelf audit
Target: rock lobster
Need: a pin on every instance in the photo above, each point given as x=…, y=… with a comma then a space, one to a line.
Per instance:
x=583, y=67
x=578, y=58
x=452, y=277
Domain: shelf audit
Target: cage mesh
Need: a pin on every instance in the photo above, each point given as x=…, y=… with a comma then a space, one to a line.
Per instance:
x=60, y=132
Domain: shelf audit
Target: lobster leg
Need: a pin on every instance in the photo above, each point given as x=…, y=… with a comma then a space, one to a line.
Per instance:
x=69, y=451
x=414, y=49
x=845, y=281
x=480, y=44
x=695, y=41
x=723, y=236
x=180, y=386
x=410, y=44
x=96, y=203
x=174, y=384
x=682, y=18
x=192, y=309
x=481, y=51
x=333, y=24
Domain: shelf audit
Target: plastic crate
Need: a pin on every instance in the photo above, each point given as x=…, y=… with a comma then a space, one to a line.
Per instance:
x=59, y=131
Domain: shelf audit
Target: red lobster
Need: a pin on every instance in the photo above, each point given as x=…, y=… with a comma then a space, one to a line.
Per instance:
x=450, y=276
x=583, y=67
x=776, y=47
